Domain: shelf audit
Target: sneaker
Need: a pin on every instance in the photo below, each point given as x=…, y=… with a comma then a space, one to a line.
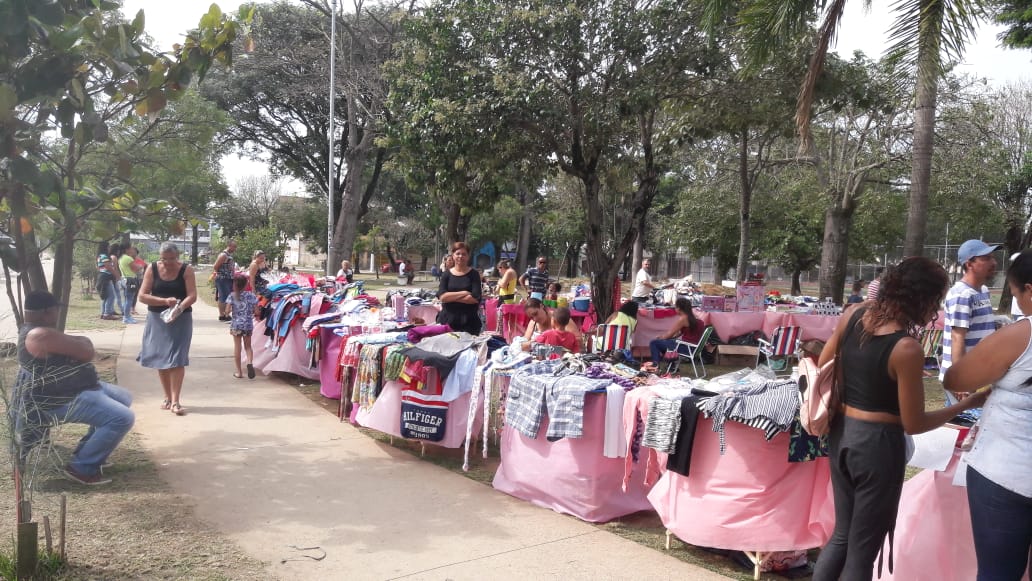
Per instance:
x=86, y=479
x=129, y=321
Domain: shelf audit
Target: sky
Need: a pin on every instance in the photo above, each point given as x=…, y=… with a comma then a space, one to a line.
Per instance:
x=167, y=21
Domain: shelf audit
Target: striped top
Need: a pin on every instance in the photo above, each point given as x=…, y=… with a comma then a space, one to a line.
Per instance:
x=966, y=308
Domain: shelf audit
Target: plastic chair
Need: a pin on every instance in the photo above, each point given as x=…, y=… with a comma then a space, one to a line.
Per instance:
x=782, y=347
x=691, y=352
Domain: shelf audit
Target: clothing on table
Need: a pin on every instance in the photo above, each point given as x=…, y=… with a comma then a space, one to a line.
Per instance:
x=661, y=425
x=802, y=447
x=368, y=381
x=565, y=404
x=642, y=285
x=461, y=316
x=680, y=457
x=614, y=444
x=243, y=304
x=460, y=380
x=966, y=308
x=1000, y=452
x=537, y=279
x=770, y=406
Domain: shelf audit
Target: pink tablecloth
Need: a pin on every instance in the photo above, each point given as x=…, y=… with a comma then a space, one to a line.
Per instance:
x=329, y=386
x=291, y=358
x=513, y=314
x=751, y=498
x=933, y=530
x=385, y=416
x=570, y=476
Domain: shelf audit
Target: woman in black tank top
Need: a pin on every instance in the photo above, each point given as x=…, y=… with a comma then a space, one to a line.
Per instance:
x=882, y=396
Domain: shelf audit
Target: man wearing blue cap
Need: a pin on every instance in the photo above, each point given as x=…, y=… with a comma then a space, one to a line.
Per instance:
x=969, y=310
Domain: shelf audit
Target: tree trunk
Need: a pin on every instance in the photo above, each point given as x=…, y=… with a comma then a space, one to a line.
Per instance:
x=835, y=252
x=926, y=93
x=195, y=240
x=63, y=262
x=346, y=228
x=797, y=288
x=451, y=232
x=523, y=245
x=745, y=202
x=30, y=265
x=638, y=253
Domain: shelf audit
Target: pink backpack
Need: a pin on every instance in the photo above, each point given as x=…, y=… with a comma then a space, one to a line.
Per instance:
x=817, y=385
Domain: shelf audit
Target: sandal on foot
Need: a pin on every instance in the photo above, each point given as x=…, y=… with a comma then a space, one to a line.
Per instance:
x=178, y=409
x=237, y=375
x=166, y=404
x=250, y=371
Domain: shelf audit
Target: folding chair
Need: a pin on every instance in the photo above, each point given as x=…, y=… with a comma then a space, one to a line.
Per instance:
x=931, y=342
x=691, y=352
x=612, y=338
x=780, y=349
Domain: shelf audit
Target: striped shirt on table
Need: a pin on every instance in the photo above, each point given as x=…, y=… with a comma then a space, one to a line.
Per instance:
x=966, y=308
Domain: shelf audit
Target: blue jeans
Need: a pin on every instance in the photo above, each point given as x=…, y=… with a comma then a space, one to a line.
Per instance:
x=106, y=411
x=660, y=346
x=1001, y=522
x=107, y=305
x=123, y=299
x=224, y=286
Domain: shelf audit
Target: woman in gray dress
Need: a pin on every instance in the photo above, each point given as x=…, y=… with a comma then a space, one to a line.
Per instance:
x=166, y=345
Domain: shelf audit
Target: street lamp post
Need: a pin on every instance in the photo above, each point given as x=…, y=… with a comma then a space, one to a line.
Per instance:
x=331, y=179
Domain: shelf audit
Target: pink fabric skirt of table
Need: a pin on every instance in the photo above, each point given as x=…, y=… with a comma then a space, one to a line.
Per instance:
x=329, y=386
x=933, y=540
x=291, y=358
x=385, y=416
x=570, y=476
x=751, y=498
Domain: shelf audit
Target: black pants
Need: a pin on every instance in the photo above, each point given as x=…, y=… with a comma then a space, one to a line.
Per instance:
x=867, y=465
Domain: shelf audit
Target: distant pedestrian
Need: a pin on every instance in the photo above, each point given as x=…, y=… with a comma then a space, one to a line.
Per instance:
x=222, y=273
x=167, y=284
x=243, y=304
x=535, y=280
x=855, y=296
x=258, y=267
x=129, y=284
x=106, y=282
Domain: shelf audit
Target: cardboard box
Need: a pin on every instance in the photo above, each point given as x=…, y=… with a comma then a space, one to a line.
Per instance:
x=751, y=298
x=730, y=304
x=712, y=303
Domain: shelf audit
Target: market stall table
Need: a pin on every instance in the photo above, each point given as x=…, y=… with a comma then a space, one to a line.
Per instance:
x=292, y=356
x=385, y=416
x=571, y=475
x=933, y=539
x=750, y=499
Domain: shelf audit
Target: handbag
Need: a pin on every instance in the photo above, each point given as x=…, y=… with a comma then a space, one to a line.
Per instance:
x=817, y=384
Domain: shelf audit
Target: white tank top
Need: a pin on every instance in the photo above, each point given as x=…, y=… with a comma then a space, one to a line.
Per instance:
x=1001, y=450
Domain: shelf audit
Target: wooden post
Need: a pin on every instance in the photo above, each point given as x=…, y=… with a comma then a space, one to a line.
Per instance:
x=27, y=551
x=48, y=535
x=61, y=527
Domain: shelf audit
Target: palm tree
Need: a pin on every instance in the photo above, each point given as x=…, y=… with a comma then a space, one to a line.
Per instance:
x=927, y=35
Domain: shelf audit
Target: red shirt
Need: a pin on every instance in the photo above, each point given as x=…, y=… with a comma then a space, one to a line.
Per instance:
x=560, y=338
x=692, y=333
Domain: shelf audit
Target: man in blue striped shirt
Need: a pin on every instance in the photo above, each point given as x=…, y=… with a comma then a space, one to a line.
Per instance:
x=969, y=310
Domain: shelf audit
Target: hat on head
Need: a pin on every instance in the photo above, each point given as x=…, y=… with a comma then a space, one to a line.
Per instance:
x=973, y=248
x=40, y=300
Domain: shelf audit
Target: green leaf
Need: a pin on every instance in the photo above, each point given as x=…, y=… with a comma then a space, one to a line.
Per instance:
x=138, y=23
x=23, y=170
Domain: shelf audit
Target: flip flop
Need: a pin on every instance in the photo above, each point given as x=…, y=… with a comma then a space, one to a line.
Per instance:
x=237, y=375
x=178, y=409
x=250, y=371
x=166, y=404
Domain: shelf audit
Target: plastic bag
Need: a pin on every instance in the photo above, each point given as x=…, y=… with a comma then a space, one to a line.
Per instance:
x=171, y=314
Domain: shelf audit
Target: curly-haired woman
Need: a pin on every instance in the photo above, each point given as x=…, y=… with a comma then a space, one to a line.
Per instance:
x=882, y=398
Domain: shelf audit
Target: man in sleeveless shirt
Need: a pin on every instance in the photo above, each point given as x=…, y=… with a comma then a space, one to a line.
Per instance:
x=57, y=383
x=969, y=310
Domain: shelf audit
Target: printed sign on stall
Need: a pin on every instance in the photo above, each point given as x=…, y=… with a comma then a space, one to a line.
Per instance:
x=423, y=416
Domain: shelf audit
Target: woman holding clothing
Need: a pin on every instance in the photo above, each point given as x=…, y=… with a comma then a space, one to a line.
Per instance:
x=166, y=345
x=882, y=397
x=460, y=292
x=999, y=472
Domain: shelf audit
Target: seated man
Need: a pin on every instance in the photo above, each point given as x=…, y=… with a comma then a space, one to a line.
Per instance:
x=57, y=379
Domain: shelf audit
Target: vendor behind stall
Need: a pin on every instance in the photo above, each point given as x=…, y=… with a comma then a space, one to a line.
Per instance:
x=460, y=292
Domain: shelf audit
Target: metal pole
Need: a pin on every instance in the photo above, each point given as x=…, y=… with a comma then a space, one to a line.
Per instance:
x=331, y=180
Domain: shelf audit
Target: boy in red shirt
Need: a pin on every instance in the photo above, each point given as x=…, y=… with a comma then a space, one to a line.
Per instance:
x=557, y=335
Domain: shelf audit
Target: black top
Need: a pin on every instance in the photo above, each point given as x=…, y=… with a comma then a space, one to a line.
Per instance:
x=460, y=316
x=865, y=371
x=168, y=288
